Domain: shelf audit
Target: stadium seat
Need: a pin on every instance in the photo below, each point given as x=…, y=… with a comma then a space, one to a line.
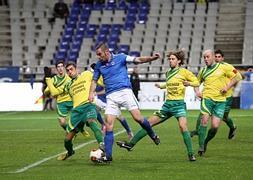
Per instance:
x=123, y=48
x=134, y=53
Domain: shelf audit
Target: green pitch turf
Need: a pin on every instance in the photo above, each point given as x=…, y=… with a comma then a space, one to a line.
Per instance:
x=30, y=142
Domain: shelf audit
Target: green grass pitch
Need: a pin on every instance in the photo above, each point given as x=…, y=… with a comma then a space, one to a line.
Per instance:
x=30, y=142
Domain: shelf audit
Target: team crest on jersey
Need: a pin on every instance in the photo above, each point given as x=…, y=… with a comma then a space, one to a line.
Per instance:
x=218, y=73
x=178, y=76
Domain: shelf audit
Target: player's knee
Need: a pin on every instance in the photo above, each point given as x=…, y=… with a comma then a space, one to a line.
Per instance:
x=62, y=121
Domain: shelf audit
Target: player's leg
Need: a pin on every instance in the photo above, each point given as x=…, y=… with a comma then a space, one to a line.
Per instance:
x=68, y=142
x=72, y=128
x=206, y=111
x=144, y=123
x=228, y=120
x=63, y=110
x=88, y=116
x=158, y=117
x=182, y=121
x=215, y=122
x=96, y=130
x=68, y=146
x=62, y=122
x=71, y=132
x=217, y=115
x=126, y=99
x=124, y=123
x=195, y=132
x=154, y=120
x=109, y=137
x=100, y=105
x=111, y=112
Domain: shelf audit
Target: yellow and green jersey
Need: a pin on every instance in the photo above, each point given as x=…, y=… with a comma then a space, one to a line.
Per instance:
x=174, y=83
x=55, y=86
x=79, y=88
x=238, y=78
x=215, y=79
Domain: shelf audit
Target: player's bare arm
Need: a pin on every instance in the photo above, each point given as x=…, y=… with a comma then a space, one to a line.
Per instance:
x=92, y=90
x=144, y=59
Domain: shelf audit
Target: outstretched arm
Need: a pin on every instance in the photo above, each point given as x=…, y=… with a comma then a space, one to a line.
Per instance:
x=144, y=59
x=53, y=90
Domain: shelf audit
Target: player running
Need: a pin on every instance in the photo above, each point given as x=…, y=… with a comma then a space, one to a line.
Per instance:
x=177, y=79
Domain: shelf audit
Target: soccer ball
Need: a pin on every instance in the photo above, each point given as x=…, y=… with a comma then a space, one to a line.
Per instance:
x=95, y=154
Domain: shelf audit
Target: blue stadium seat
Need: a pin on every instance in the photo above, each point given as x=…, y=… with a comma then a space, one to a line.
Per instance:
x=105, y=28
x=64, y=46
x=72, y=56
x=98, y=6
x=131, y=17
x=84, y=17
x=75, y=10
x=112, y=46
x=133, y=7
x=123, y=48
x=116, y=27
x=111, y=5
x=113, y=37
x=142, y=18
x=102, y=37
x=59, y=55
x=82, y=26
x=129, y=26
x=135, y=53
x=87, y=7
x=122, y=5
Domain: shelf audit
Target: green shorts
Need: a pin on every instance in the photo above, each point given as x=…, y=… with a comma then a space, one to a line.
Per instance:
x=64, y=108
x=176, y=108
x=79, y=115
x=211, y=107
x=229, y=102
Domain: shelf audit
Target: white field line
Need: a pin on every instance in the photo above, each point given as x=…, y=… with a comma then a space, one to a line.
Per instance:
x=7, y=113
x=56, y=155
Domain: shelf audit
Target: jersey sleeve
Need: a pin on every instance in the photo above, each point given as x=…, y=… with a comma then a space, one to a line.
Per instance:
x=130, y=59
x=238, y=76
x=192, y=78
x=46, y=91
x=53, y=90
x=200, y=75
x=230, y=71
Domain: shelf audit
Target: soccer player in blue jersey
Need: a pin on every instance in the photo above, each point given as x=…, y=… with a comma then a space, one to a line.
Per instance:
x=113, y=68
x=100, y=102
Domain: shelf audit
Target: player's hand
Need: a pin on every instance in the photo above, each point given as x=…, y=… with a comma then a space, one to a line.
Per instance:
x=156, y=56
x=224, y=90
x=91, y=97
x=157, y=85
x=199, y=95
x=186, y=83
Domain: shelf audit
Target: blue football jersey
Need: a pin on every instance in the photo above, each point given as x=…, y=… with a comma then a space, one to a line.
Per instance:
x=114, y=72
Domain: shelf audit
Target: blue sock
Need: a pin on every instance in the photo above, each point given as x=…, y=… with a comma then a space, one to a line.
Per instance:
x=125, y=125
x=145, y=125
x=108, y=139
x=100, y=119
